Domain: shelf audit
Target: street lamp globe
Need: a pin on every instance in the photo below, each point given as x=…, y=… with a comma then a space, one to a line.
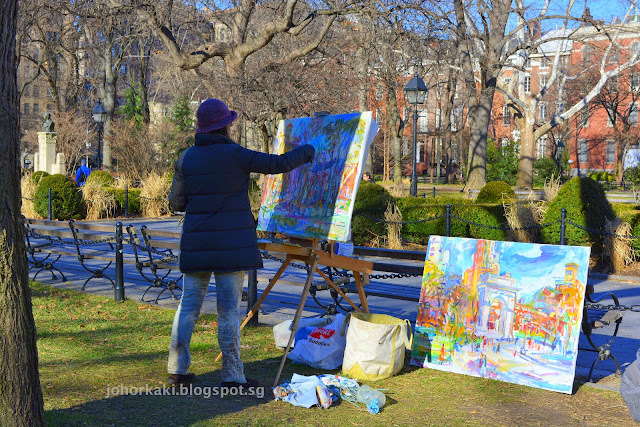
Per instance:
x=415, y=93
x=99, y=113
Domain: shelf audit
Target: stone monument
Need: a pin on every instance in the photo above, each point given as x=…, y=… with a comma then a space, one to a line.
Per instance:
x=46, y=160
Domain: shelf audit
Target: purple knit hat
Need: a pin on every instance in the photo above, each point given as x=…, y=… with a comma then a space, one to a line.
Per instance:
x=214, y=114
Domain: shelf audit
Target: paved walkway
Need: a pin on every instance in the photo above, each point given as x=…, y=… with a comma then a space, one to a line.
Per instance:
x=282, y=301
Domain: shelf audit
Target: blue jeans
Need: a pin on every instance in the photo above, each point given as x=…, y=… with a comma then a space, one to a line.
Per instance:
x=228, y=293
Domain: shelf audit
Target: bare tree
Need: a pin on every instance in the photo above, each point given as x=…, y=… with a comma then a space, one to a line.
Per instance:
x=21, y=402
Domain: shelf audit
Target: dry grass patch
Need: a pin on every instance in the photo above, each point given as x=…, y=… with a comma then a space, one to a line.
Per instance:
x=393, y=218
x=551, y=188
x=100, y=202
x=524, y=218
x=28, y=186
x=154, y=195
x=616, y=245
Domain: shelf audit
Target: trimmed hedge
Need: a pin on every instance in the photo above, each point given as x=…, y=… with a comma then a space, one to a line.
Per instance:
x=587, y=206
x=66, y=200
x=37, y=176
x=415, y=209
x=371, y=202
x=494, y=192
x=134, y=200
x=103, y=177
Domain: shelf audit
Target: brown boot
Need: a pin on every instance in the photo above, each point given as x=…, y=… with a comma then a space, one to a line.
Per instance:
x=176, y=379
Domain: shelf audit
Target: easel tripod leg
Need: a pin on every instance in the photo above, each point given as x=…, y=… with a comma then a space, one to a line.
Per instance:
x=296, y=319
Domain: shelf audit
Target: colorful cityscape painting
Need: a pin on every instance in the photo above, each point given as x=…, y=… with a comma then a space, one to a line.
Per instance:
x=316, y=200
x=503, y=310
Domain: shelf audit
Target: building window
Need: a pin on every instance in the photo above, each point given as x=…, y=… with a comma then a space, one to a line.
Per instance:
x=507, y=80
x=36, y=91
x=583, y=151
x=541, y=148
x=506, y=115
x=36, y=108
x=542, y=112
x=611, y=152
x=405, y=147
x=49, y=92
x=633, y=114
x=527, y=84
x=528, y=63
x=49, y=107
x=379, y=94
x=438, y=119
x=613, y=55
x=27, y=70
x=583, y=120
x=420, y=155
x=634, y=49
x=545, y=62
x=586, y=54
x=634, y=80
x=612, y=84
x=26, y=108
x=423, y=121
x=543, y=82
x=611, y=117
x=564, y=61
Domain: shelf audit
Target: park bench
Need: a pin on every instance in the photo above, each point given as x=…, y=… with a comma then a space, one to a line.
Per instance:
x=81, y=240
x=154, y=258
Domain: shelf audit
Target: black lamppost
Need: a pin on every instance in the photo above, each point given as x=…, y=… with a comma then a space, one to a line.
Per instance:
x=99, y=116
x=415, y=93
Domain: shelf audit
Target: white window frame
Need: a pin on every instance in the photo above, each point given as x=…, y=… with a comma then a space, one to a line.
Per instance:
x=423, y=121
x=438, y=119
x=542, y=112
x=506, y=115
x=583, y=151
x=611, y=152
x=420, y=155
x=541, y=147
x=609, y=114
x=583, y=117
x=527, y=84
x=633, y=114
x=634, y=82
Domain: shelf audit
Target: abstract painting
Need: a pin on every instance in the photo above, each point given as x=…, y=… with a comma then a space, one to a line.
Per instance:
x=316, y=200
x=503, y=310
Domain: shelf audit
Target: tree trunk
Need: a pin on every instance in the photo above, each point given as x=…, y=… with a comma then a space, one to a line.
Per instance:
x=396, y=141
x=362, y=70
x=21, y=402
x=479, y=115
x=524, y=178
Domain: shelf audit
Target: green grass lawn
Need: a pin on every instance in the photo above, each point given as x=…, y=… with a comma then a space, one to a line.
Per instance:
x=88, y=343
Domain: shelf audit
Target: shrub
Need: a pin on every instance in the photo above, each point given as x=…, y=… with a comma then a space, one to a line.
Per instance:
x=37, y=176
x=495, y=192
x=100, y=202
x=545, y=168
x=587, y=206
x=371, y=202
x=66, y=201
x=103, y=177
x=632, y=174
x=502, y=161
x=417, y=209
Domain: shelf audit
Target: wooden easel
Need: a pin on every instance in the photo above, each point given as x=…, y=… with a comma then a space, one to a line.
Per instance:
x=312, y=256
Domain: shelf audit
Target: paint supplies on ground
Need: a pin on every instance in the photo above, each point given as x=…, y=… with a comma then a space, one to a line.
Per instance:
x=630, y=387
x=375, y=346
x=282, y=330
x=327, y=389
x=321, y=347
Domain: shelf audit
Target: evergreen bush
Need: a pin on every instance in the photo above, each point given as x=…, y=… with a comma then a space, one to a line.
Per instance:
x=103, y=177
x=494, y=192
x=586, y=205
x=371, y=202
x=66, y=200
x=417, y=209
x=37, y=176
x=134, y=200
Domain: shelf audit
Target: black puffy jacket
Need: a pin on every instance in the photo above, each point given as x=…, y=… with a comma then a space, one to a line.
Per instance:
x=211, y=185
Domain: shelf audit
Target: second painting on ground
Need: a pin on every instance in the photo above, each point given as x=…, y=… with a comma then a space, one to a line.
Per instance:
x=503, y=310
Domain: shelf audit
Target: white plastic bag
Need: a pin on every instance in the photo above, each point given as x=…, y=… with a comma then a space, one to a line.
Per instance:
x=323, y=347
x=630, y=387
x=282, y=330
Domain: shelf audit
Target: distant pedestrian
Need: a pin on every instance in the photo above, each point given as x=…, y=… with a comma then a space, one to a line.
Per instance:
x=367, y=177
x=83, y=173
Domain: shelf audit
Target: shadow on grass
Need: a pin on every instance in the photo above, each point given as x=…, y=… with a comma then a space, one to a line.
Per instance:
x=159, y=404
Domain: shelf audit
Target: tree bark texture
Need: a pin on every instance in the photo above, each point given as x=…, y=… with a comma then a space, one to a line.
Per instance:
x=21, y=402
x=524, y=177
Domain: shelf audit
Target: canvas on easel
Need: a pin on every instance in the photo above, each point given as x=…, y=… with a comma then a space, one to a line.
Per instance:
x=508, y=311
x=316, y=200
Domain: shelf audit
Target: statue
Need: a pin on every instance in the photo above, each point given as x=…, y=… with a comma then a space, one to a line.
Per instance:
x=47, y=125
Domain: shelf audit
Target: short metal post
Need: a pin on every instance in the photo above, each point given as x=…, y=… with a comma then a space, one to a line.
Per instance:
x=252, y=294
x=434, y=192
x=49, y=213
x=448, y=232
x=126, y=201
x=119, y=287
x=563, y=218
